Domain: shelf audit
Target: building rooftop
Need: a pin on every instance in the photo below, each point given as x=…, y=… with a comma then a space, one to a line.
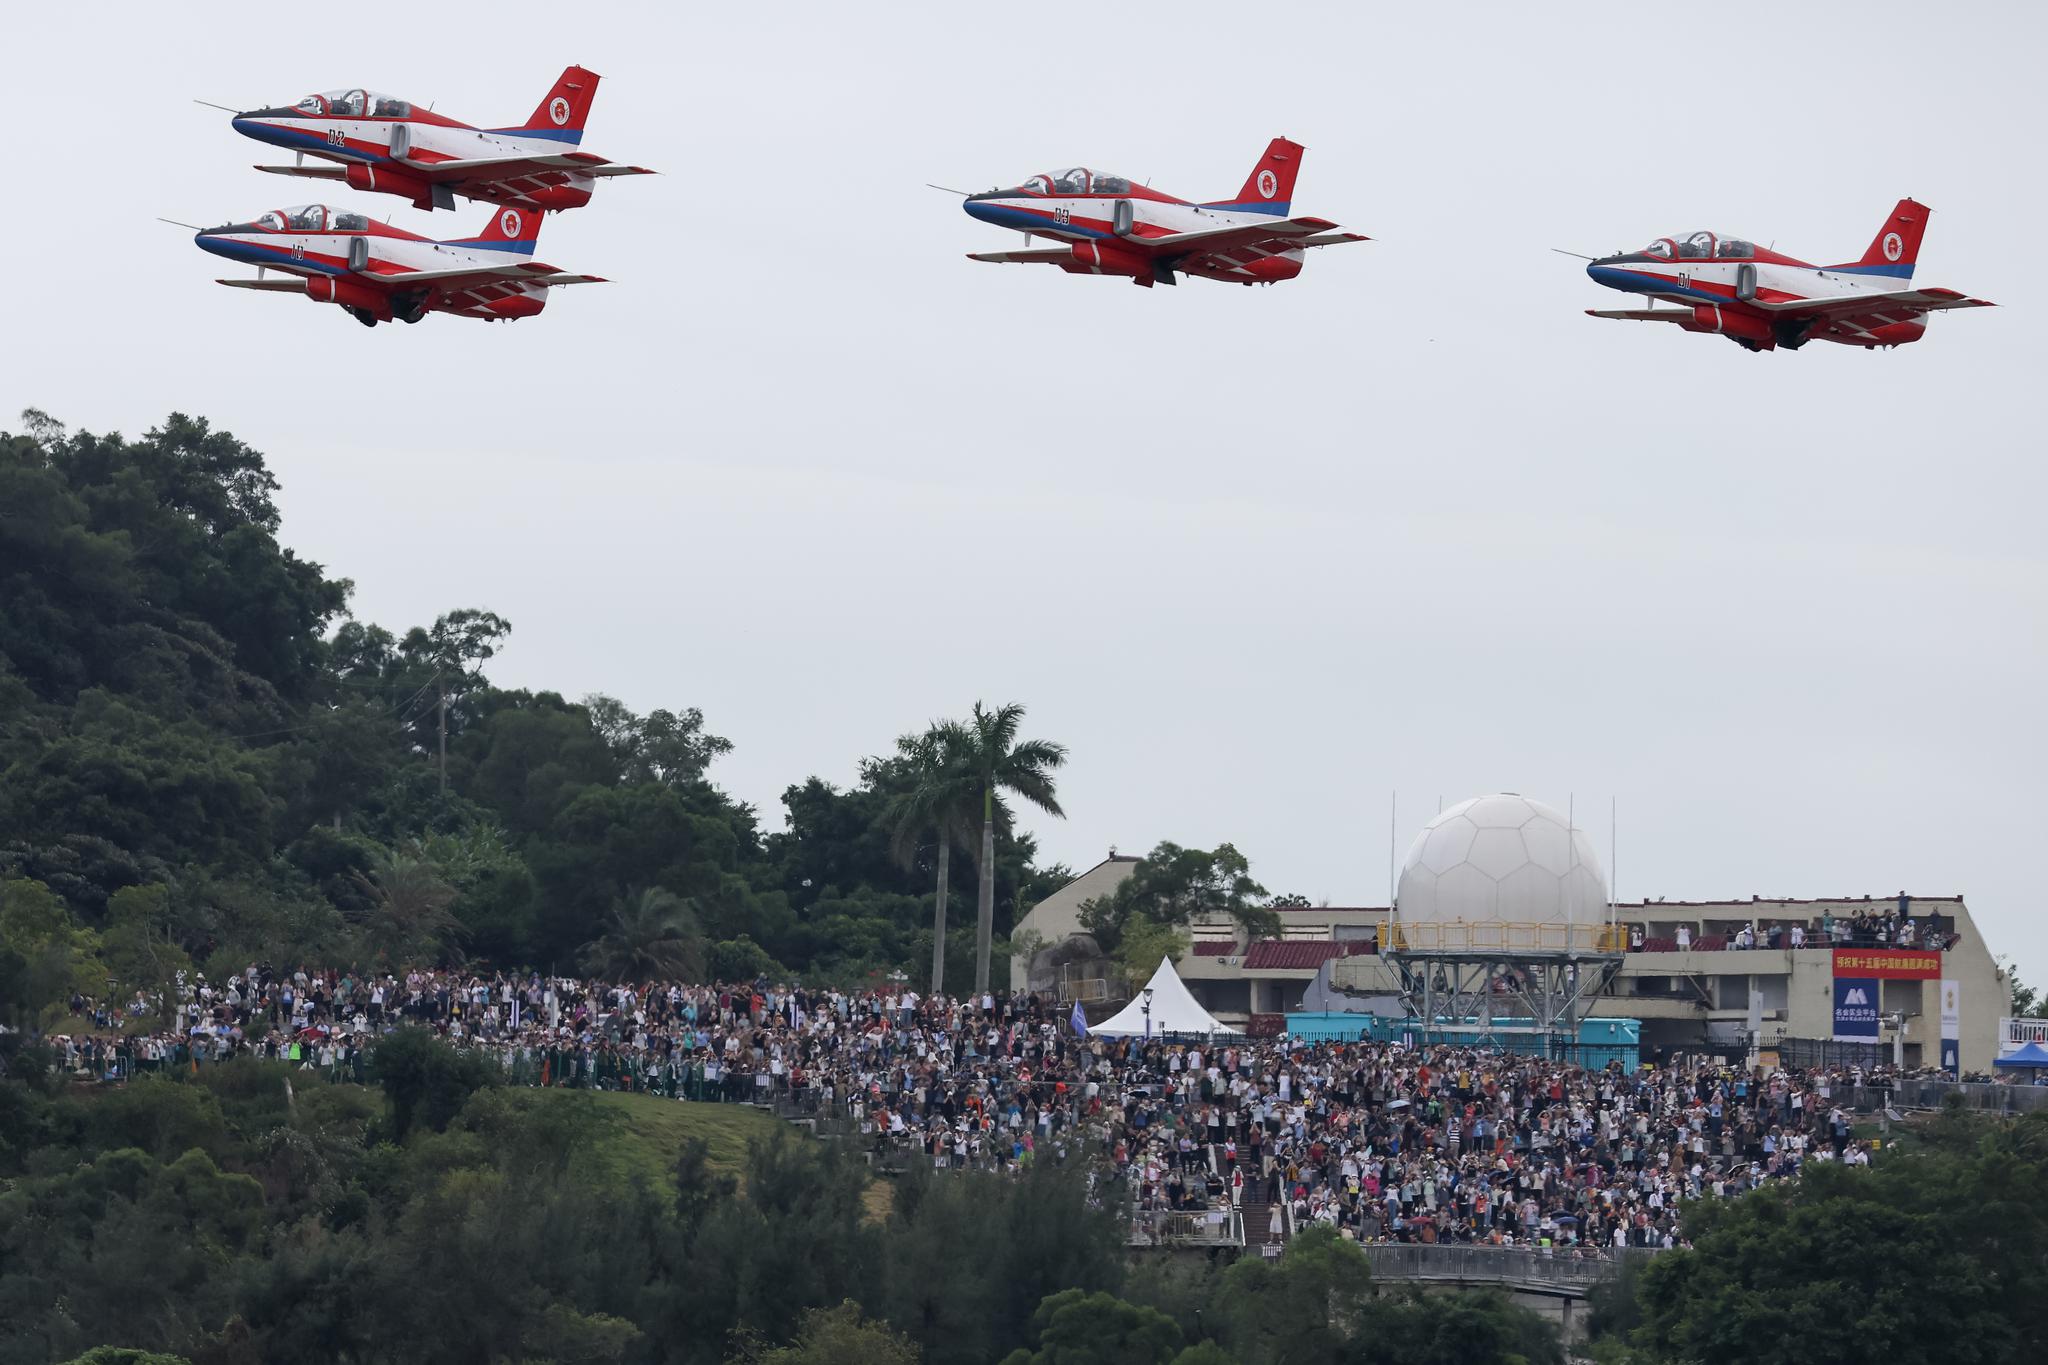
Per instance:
x=1304, y=955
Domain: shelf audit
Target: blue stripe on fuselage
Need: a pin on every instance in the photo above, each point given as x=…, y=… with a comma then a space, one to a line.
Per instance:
x=1281, y=210
x=299, y=139
x=1636, y=282
x=1902, y=271
x=252, y=254
x=569, y=135
x=1027, y=222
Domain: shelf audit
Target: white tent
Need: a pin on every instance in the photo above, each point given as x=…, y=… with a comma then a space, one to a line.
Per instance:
x=1172, y=1010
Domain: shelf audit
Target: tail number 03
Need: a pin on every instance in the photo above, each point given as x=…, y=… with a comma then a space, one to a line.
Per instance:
x=1062, y=215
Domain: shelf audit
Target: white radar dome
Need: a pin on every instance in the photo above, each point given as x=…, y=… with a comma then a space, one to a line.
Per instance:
x=1502, y=860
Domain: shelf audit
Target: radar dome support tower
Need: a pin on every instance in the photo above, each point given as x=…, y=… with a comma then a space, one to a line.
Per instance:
x=1502, y=928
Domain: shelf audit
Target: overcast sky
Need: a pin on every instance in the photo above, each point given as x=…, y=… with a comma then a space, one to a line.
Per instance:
x=1260, y=557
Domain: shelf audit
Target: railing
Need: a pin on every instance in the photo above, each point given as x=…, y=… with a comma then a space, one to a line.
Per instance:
x=1461, y=936
x=2015, y=1032
x=1169, y=1228
x=1558, y=1269
x=1933, y=1094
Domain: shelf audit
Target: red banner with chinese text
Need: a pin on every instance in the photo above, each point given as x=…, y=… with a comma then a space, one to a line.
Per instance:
x=1889, y=964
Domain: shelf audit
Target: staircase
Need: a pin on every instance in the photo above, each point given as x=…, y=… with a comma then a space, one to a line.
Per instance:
x=1258, y=1220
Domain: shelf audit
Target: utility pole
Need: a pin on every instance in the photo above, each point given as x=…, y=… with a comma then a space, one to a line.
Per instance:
x=441, y=689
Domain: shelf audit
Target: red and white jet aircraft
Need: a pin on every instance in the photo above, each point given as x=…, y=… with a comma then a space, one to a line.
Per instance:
x=392, y=146
x=377, y=272
x=1108, y=226
x=1761, y=300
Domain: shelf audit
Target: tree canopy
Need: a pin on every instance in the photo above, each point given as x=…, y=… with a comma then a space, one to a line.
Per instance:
x=189, y=714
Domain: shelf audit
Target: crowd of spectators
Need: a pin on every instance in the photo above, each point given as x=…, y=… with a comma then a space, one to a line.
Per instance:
x=1438, y=1145
x=1886, y=928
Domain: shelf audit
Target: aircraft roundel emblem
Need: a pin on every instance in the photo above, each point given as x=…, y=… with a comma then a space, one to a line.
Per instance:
x=1269, y=184
x=1892, y=246
x=558, y=110
x=510, y=223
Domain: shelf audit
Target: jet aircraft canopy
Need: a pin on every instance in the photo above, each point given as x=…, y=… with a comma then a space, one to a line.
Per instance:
x=1077, y=180
x=313, y=218
x=353, y=104
x=1700, y=246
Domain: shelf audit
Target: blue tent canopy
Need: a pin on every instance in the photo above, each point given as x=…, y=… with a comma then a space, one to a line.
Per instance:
x=2032, y=1055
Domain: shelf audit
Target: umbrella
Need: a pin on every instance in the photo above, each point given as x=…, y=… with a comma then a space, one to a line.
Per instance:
x=1397, y=1104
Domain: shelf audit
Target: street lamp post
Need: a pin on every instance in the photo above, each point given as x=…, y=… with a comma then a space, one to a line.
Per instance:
x=1148, y=1012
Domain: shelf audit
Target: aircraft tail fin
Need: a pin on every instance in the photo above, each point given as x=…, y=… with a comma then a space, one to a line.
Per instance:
x=561, y=113
x=513, y=230
x=1270, y=187
x=1896, y=247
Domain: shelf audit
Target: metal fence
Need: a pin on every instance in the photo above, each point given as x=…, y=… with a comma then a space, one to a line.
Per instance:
x=1519, y=1266
x=1168, y=1228
x=1934, y=1094
x=1825, y=1052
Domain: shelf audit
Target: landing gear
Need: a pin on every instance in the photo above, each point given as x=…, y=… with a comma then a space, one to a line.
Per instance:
x=362, y=315
x=409, y=310
x=1793, y=335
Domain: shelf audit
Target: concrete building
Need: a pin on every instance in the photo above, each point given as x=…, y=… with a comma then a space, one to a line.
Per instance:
x=1683, y=977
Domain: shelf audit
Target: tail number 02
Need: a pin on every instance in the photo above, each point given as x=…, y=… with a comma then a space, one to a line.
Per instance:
x=335, y=138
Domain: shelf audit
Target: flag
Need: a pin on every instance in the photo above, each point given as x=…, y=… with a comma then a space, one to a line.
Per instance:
x=1079, y=1021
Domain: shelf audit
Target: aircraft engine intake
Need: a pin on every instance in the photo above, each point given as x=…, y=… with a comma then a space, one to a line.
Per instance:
x=349, y=294
x=1746, y=328
x=377, y=179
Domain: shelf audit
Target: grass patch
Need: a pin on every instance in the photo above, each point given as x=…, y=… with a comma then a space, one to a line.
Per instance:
x=646, y=1133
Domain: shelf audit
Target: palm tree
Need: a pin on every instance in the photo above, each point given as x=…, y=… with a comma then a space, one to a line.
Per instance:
x=996, y=761
x=409, y=919
x=941, y=798
x=652, y=935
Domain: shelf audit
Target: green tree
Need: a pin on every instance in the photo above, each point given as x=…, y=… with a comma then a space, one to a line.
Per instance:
x=139, y=947
x=409, y=919
x=1300, y=1309
x=940, y=800
x=45, y=953
x=1073, y=1327
x=1934, y=1254
x=1143, y=943
x=426, y=1081
x=652, y=936
x=839, y=1336
x=1471, y=1328
x=1175, y=886
x=1000, y=762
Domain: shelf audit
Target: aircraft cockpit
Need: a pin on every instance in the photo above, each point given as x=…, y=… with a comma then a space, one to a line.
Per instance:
x=352, y=104
x=1700, y=246
x=1077, y=180
x=313, y=218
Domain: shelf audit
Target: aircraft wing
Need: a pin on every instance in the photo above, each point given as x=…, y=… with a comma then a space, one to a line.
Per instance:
x=318, y=172
x=1282, y=234
x=1642, y=314
x=511, y=167
x=479, y=168
x=1046, y=256
x=458, y=277
x=1902, y=301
